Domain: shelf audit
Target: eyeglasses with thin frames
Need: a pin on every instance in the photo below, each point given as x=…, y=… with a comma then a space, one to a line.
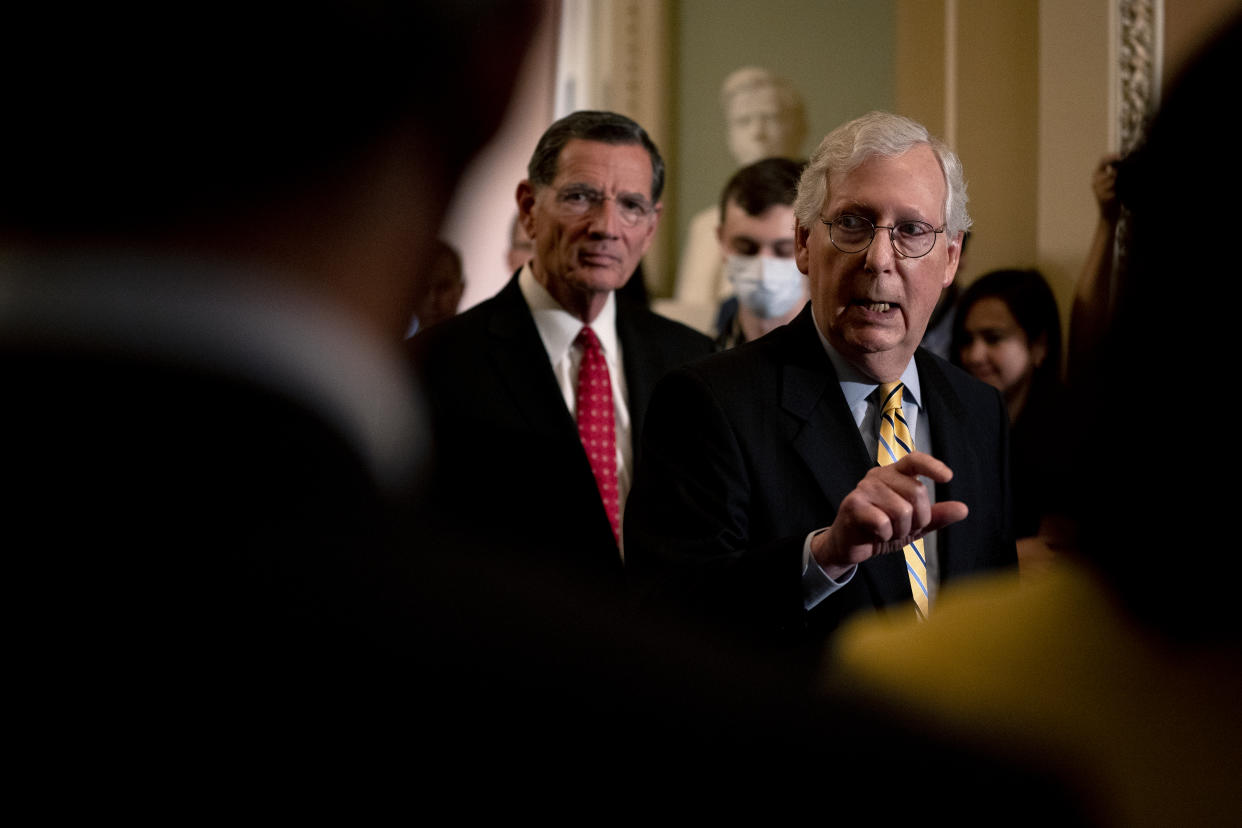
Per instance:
x=853, y=234
x=578, y=201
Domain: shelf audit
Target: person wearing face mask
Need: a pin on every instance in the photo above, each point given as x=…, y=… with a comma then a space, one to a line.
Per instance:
x=1007, y=333
x=756, y=239
x=764, y=117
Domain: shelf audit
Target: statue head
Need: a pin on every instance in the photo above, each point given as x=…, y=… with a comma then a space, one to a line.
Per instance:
x=764, y=114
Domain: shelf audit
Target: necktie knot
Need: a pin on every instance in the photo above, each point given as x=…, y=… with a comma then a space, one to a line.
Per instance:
x=890, y=396
x=587, y=340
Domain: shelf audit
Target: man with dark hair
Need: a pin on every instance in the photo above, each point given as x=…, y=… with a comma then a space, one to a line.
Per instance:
x=588, y=125
x=756, y=235
x=527, y=451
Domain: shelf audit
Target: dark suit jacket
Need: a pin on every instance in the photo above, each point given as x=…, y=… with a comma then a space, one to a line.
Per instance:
x=210, y=555
x=509, y=466
x=749, y=451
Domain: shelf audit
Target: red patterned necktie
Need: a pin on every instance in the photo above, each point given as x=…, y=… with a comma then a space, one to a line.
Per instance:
x=596, y=428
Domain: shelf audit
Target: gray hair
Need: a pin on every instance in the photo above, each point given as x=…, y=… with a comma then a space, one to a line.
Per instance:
x=877, y=133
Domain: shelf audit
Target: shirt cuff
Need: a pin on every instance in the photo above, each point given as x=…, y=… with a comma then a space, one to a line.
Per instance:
x=816, y=585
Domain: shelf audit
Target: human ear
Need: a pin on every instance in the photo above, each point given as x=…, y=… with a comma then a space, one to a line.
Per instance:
x=954, y=257
x=525, y=196
x=802, y=253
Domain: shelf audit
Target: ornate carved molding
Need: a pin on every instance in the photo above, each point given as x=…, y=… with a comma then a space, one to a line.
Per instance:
x=1139, y=69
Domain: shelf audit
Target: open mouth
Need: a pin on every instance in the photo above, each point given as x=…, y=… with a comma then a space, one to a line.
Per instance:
x=875, y=307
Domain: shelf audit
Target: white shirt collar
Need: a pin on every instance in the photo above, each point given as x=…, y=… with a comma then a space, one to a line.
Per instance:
x=558, y=327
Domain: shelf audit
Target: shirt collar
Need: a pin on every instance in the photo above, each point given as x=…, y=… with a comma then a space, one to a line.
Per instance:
x=558, y=327
x=857, y=386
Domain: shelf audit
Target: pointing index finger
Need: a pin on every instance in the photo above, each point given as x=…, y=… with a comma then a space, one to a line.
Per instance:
x=919, y=463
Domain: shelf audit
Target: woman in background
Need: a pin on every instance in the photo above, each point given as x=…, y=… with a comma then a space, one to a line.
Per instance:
x=1007, y=333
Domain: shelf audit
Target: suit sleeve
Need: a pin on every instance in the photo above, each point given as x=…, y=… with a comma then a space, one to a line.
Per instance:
x=688, y=518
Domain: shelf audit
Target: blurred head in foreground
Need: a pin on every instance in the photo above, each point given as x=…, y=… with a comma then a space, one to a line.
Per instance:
x=1154, y=511
x=300, y=142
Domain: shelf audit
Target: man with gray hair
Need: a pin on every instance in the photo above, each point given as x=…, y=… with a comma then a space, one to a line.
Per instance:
x=789, y=483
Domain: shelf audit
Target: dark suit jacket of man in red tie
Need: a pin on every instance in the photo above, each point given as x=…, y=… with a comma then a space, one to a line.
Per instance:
x=509, y=463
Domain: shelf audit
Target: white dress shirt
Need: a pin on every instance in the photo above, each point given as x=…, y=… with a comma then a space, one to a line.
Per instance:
x=558, y=329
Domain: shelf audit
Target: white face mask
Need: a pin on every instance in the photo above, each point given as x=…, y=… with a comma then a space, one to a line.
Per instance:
x=767, y=286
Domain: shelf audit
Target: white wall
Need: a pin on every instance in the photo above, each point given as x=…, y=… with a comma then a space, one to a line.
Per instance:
x=478, y=220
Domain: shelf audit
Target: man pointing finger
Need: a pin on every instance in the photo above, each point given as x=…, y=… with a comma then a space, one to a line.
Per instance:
x=777, y=475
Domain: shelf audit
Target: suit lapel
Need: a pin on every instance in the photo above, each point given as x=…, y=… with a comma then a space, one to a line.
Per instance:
x=824, y=434
x=953, y=444
x=531, y=386
x=640, y=363
x=826, y=438
x=522, y=362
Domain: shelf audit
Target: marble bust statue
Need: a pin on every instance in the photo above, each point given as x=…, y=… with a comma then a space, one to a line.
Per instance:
x=764, y=117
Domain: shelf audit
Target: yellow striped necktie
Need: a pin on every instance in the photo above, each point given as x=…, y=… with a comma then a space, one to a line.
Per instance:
x=895, y=443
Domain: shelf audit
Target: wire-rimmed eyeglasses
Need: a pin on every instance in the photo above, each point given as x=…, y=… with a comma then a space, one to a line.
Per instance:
x=578, y=201
x=853, y=234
